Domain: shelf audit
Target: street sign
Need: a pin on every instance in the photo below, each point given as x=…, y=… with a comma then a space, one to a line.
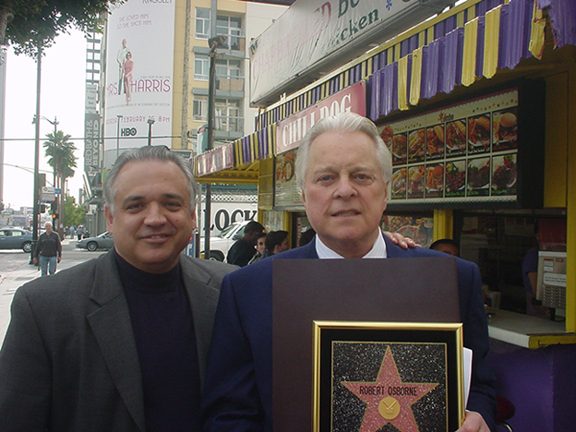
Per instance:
x=58, y=191
x=48, y=194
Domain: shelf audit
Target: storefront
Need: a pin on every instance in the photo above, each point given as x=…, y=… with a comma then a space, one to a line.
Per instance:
x=477, y=106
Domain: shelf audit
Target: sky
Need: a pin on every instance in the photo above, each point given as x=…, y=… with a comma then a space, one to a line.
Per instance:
x=62, y=96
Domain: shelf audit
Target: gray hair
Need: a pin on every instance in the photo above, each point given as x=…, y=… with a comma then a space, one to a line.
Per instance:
x=346, y=122
x=147, y=153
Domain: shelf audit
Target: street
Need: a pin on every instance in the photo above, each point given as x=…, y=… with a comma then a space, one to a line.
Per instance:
x=15, y=271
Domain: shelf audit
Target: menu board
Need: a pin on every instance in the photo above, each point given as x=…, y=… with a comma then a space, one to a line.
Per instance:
x=467, y=152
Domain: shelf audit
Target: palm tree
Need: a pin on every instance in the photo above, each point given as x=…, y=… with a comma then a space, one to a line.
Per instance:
x=61, y=156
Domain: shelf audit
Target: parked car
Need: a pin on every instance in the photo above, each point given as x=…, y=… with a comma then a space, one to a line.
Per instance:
x=15, y=238
x=220, y=243
x=103, y=241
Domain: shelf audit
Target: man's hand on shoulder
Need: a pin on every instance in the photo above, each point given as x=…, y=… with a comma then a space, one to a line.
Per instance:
x=473, y=422
x=400, y=240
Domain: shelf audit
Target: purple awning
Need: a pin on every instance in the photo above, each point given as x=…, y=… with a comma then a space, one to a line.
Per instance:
x=563, y=18
x=451, y=68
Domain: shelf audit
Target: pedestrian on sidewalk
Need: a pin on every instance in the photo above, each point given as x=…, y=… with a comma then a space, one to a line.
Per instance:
x=49, y=249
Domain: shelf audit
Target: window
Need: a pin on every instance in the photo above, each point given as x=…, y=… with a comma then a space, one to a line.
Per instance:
x=200, y=108
x=228, y=115
x=202, y=23
x=231, y=27
x=201, y=67
x=228, y=69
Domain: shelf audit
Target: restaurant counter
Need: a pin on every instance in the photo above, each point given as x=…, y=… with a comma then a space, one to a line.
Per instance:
x=526, y=331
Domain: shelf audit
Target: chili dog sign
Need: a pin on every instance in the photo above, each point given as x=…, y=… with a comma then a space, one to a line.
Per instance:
x=292, y=130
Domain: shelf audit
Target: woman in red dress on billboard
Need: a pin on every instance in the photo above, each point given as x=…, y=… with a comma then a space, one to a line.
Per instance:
x=127, y=67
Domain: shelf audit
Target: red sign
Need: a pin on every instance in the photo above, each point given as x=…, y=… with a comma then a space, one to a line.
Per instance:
x=292, y=130
x=216, y=160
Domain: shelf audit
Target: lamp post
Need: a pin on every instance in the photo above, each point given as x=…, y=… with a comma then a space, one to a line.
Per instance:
x=150, y=123
x=214, y=43
x=119, y=116
x=36, y=157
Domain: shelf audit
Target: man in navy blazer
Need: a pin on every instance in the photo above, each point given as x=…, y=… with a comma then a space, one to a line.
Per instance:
x=343, y=169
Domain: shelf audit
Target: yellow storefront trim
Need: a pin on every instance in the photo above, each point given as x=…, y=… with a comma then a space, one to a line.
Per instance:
x=403, y=83
x=416, y=77
x=469, y=56
x=538, y=36
x=443, y=224
x=491, y=42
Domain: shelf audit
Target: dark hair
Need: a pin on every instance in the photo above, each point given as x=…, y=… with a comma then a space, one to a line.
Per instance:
x=275, y=238
x=253, y=226
x=306, y=237
x=444, y=241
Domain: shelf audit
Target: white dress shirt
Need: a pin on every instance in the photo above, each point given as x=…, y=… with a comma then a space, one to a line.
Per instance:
x=378, y=250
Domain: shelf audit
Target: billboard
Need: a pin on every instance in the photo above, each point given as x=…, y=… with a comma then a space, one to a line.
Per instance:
x=139, y=75
x=316, y=36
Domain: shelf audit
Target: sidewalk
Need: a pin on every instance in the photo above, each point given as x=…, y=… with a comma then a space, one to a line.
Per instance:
x=10, y=282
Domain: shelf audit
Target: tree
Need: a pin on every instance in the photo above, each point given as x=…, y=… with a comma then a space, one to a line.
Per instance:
x=32, y=24
x=74, y=214
x=61, y=156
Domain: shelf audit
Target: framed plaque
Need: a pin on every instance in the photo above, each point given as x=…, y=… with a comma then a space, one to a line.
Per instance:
x=371, y=377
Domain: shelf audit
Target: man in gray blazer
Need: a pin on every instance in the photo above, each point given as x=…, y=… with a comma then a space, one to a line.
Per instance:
x=118, y=343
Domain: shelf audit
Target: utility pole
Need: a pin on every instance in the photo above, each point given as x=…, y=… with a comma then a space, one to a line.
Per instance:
x=213, y=43
x=36, y=156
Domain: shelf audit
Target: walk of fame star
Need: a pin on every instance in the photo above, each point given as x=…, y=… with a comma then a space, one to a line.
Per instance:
x=388, y=399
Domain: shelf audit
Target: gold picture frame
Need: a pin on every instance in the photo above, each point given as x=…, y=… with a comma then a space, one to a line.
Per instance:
x=371, y=374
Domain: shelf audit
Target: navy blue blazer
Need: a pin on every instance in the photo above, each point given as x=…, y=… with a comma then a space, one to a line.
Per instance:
x=238, y=383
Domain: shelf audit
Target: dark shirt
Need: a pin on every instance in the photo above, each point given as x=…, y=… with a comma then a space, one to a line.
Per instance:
x=164, y=332
x=240, y=253
x=49, y=245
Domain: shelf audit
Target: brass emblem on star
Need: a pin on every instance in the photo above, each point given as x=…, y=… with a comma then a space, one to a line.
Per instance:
x=389, y=408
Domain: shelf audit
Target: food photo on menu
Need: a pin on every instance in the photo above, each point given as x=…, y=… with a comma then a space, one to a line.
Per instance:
x=479, y=177
x=416, y=181
x=434, y=180
x=387, y=135
x=396, y=143
x=399, y=148
x=435, y=142
x=505, y=129
x=456, y=137
x=399, y=183
x=416, y=145
x=479, y=134
x=504, y=175
x=456, y=178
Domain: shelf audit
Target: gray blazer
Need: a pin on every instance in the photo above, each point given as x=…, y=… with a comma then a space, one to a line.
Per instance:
x=69, y=360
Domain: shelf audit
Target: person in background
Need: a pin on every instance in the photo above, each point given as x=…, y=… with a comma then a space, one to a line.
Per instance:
x=118, y=343
x=243, y=250
x=446, y=245
x=79, y=232
x=343, y=169
x=260, y=248
x=276, y=242
x=530, y=279
x=49, y=250
x=306, y=237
